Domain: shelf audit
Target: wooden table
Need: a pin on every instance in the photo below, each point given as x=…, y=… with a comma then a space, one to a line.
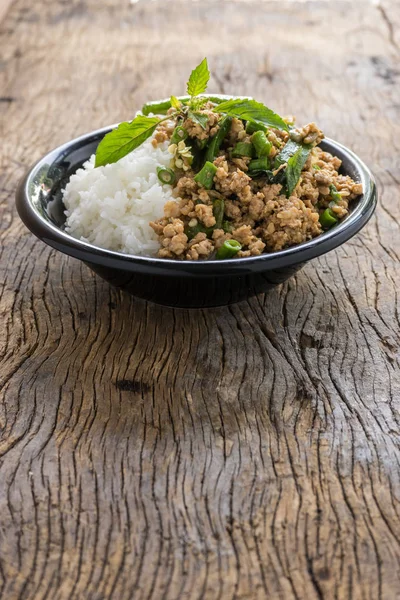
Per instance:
x=247, y=452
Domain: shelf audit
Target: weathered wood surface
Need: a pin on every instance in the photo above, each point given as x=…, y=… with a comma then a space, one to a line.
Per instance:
x=242, y=452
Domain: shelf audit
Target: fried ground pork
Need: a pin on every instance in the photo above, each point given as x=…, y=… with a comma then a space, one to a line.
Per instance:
x=238, y=180
x=243, y=186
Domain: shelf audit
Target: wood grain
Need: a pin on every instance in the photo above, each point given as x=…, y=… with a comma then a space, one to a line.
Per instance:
x=4, y=6
x=242, y=452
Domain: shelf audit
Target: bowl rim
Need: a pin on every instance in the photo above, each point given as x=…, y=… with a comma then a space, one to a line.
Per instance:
x=66, y=243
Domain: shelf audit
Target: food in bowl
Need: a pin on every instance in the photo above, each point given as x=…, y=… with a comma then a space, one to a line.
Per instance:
x=200, y=177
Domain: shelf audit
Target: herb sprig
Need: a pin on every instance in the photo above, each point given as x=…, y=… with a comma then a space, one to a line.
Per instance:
x=129, y=135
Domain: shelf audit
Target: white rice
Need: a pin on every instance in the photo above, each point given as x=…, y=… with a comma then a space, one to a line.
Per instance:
x=111, y=206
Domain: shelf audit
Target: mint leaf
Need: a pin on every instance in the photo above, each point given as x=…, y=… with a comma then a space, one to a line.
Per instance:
x=125, y=138
x=175, y=103
x=198, y=79
x=199, y=118
x=295, y=166
x=250, y=110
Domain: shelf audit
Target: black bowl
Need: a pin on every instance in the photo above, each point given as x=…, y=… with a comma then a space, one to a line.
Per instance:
x=174, y=283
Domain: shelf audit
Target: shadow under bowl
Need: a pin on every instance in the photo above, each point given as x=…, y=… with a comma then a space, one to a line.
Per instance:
x=174, y=283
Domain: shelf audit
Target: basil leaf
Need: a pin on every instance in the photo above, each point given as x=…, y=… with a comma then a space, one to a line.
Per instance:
x=191, y=232
x=250, y=110
x=199, y=118
x=269, y=176
x=295, y=166
x=125, y=138
x=175, y=103
x=198, y=79
x=289, y=149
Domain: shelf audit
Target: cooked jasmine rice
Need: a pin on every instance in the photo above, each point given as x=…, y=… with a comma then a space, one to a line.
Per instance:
x=112, y=206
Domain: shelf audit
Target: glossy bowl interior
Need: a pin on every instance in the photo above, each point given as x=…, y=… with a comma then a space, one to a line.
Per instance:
x=177, y=283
